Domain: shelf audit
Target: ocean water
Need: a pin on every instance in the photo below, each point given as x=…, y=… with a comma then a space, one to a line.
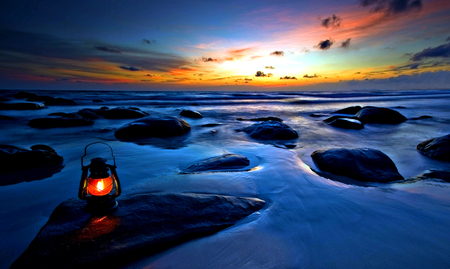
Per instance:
x=309, y=221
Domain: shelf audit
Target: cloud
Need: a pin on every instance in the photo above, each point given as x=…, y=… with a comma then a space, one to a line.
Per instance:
x=260, y=74
x=104, y=48
x=333, y=22
x=209, y=59
x=392, y=7
x=311, y=76
x=448, y=39
x=288, y=77
x=129, y=68
x=442, y=51
x=324, y=45
x=346, y=43
x=277, y=53
x=269, y=67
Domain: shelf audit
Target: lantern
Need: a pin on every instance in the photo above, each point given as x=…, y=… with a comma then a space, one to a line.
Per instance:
x=101, y=187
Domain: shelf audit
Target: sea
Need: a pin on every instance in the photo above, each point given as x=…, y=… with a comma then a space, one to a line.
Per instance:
x=309, y=221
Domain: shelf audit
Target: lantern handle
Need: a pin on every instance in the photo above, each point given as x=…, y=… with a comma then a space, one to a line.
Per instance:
x=85, y=152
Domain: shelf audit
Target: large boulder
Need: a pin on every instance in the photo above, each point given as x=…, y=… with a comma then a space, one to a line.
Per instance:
x=143, y=225
x=270, y=130
x=352, y=110
x=123, y=113
x=225, y=162
x=55, y=122
x=153, y=127
x=347, y=123
x=436, y=148
x=191, y=114
x=21, y=106
x=379, y=115
x=367, y=165
x=24, y=95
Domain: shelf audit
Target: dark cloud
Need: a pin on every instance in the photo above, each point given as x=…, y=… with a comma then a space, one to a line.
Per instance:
x=205, y=59
x=269, y=67
x=392, y=7
x=129, y=68
x=104, y=48
x=260, y=74
x=148, y=75
x=346, y=43
x=288, y=77
x=324, y=45
x=148, y=41
x=442, y=51
x=277, y=53
x=333, y=22
x=311, y=76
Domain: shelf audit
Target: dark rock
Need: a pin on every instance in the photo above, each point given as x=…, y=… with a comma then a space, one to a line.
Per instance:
x=422, y=117
x=379, y=115
x=60, y=101
x=261, y=119
x=20, y=106
x=24, y=95
x=88, y=114
x=436, y=148
x=333, y=118
x=432, y=175
x=270, y=130
x=211, y=124
x=123, y=113
x=153, y=127
x=346, y=123
x=66, y=115
x=3, y=99
x=367, y=165
x=59, y=122
x=143, y=225
x=352, y=110
x=15, y=158
x=191, y=114
x=97, y=101
x=222, y=163
x=40, y=98
x=2, y=117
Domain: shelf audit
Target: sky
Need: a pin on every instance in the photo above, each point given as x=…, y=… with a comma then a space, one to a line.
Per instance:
x=225, y=45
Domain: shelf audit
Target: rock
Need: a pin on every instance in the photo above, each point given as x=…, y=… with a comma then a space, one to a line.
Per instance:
x=367, y=165
x=270, y=130
x=40, y=98
x=222, y=163
x=261, y=119
x=88, y=114
x=3, y=99
x=436, y=148
x=2, y=117
x=422, y=117
x=97, y=101
x=153, y=127
x=143, y=225
x=211, y=124
x=191, y=114
x=333, y=118
x=352, y=110
x=433, y=174
x=15, y=158
x=317, y=115
x=20, y=106
x=66, y=115
x=123, y=113
x=24, y=95
x=59, y=122
x=59, y=101
x=347, y=123
x=379, y=115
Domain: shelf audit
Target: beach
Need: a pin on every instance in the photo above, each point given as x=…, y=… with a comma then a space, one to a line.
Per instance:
x=308, y=222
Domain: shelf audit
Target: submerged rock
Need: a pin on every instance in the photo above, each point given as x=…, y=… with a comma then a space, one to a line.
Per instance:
x=123, y=113
x=153, y=127
x=191, y=114
x=270, y=130
x=379, y=115
x=21, y=106
x=3, y=99
x=59, y=101
x=347, y=123
x=261, y=119
x=59, y=122
x=88, y=114
x=348, y=110
x=222, y=163
x=367, y=165
x=3, y=117
x=143, y=225
x=333, y=118
x=24, y=95
x=432, y=175
x=436, y=148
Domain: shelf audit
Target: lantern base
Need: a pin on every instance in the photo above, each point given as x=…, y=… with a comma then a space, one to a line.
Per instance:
x=101, y=206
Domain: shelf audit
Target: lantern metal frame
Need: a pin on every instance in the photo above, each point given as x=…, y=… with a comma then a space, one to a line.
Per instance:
x=99, y=204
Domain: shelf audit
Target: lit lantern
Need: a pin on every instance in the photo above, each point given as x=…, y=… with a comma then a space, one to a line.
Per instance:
x=100, y=188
